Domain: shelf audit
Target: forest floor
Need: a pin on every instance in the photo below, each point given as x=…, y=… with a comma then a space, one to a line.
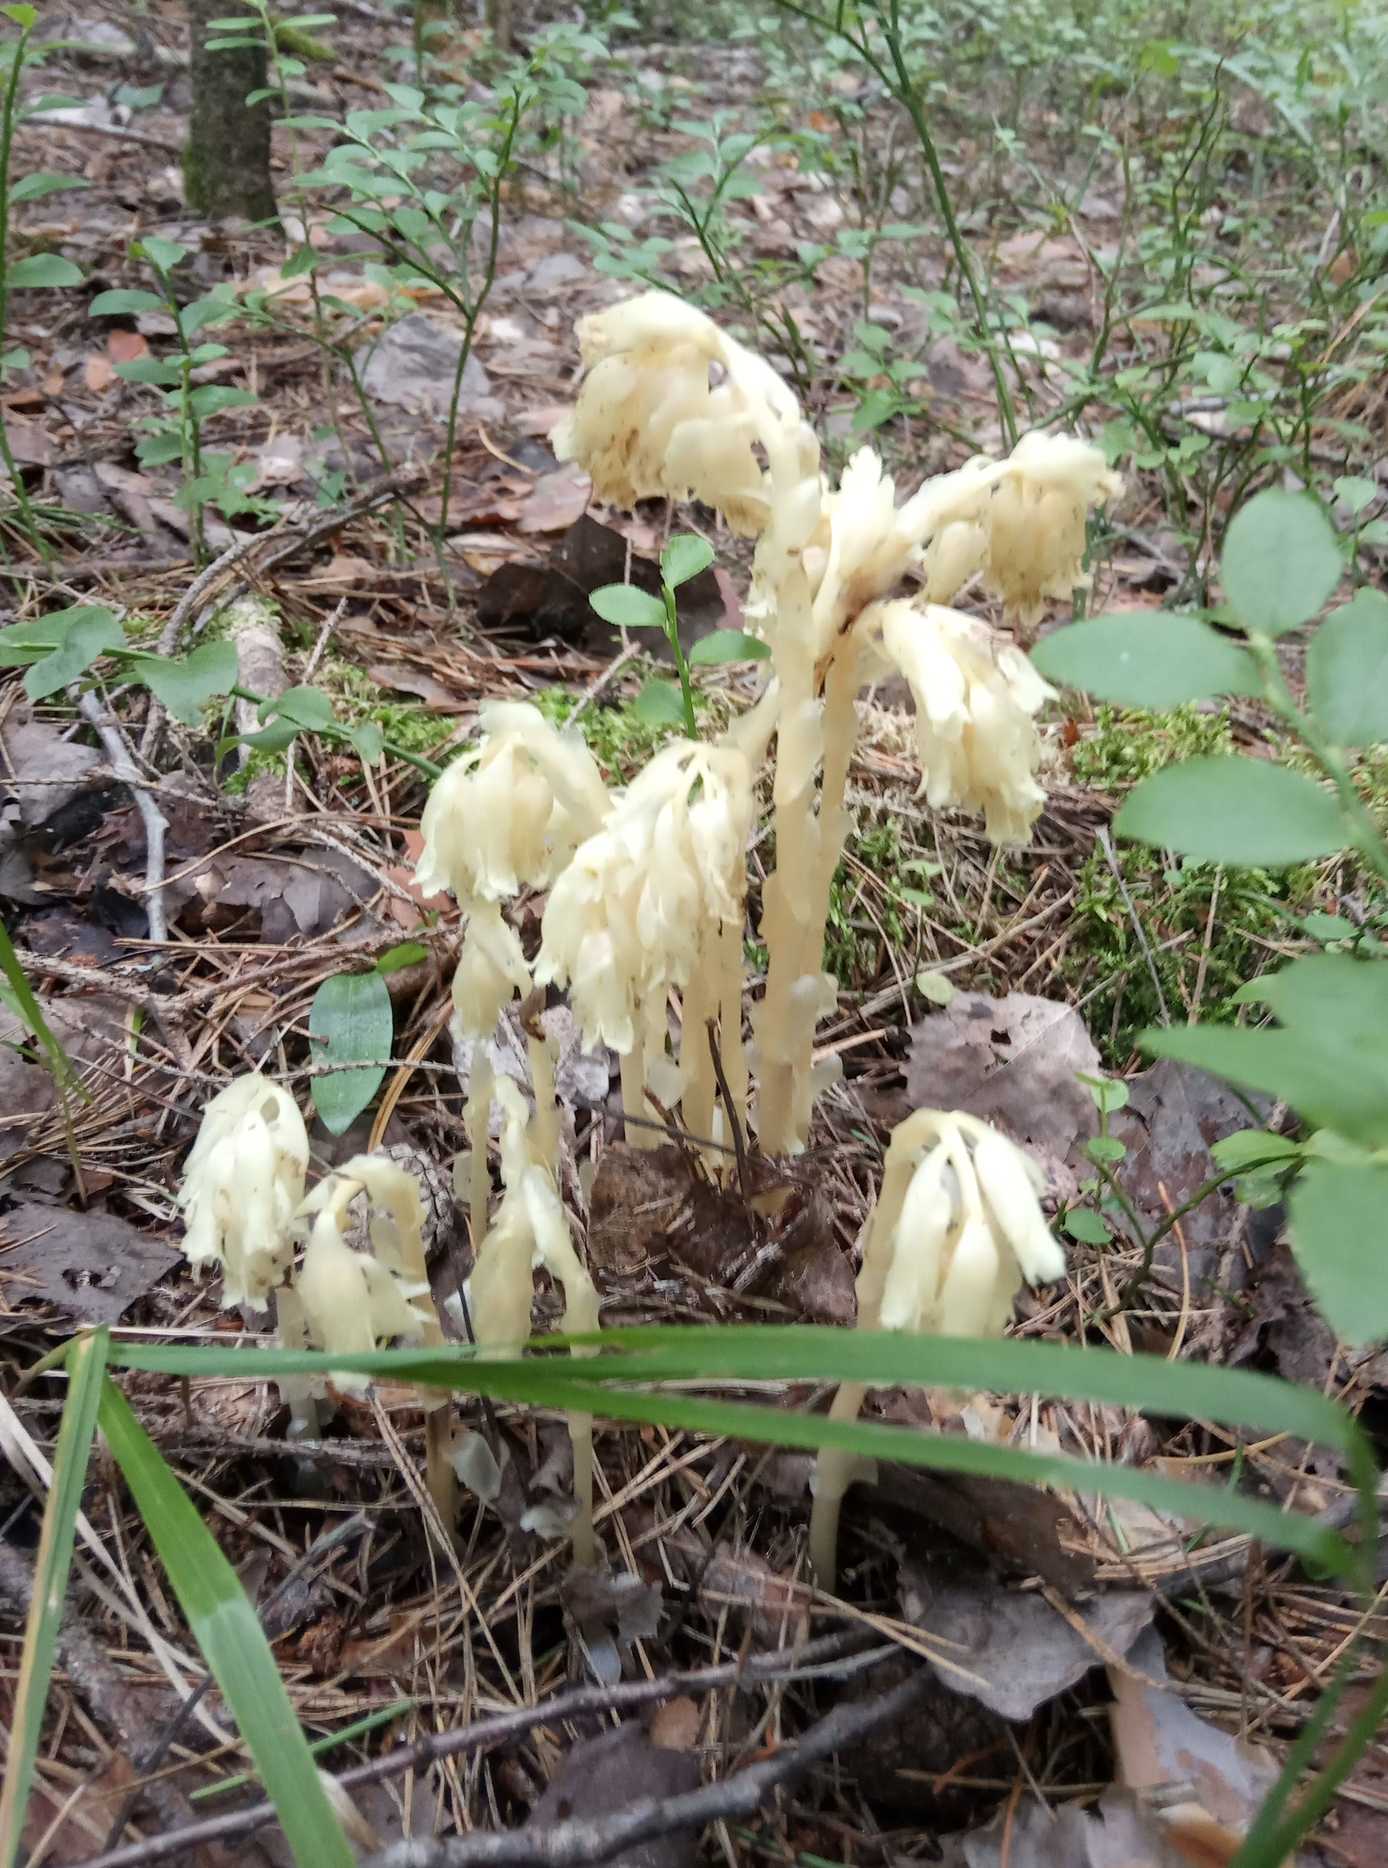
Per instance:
x=1174, y=240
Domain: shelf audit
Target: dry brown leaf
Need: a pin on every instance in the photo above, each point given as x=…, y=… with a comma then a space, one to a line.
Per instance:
x=90, y=1266
x=98, y=375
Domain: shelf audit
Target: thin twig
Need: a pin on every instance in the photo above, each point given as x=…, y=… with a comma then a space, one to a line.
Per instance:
x=596, y=1839
x=1106, y=845
x=153, y=819
x=836, y=1656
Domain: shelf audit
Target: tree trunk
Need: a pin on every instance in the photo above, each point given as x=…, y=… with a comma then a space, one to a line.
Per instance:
x=226, y=160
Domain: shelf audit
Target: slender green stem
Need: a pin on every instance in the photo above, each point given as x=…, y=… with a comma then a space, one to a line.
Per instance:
x=901, y=85
x=341, y=734
x=478, y=300
x=26, y=510
x=189, y=428
x=672, y=630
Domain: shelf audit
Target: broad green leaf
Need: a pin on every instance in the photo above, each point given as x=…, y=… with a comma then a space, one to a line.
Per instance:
x=85, y=640
x=728, y=645
x=86, y=1368
x=1347, y=671
x=1345, y=1091
x=1280, y=561
x=25, y=17
x=164, y=254
x=125, y=300
x=352, y=1020
x=1146, y=659
x=1247, y=1148
x=1333, y=996
x=1237, y=1397
x=23, y=643
x=1234, y=810
x=34, y=187
x=232, y=1640
x=627, y=607
x=186, y=685
x=1341, y=1245
x=43, y=269
x=660, y=703
x=684, y=557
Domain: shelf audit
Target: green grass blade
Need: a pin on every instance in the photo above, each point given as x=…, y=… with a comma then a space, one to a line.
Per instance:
x=86, y=1369
x=229, y=1633
x=809, y=1354
x=28, y=1009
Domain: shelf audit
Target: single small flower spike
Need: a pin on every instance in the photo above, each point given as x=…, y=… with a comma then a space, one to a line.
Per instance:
x=242, y=1184
x=510, y=811
x=649, y=420
x=976, y=700
x=626, y=918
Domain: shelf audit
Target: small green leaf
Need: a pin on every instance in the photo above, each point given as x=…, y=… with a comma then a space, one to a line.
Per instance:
x=1146, y=659
x=161, y=372
x=1347, y=671
x=408, y=953
x=43, y=269
x=367, y=740
x=25, y=17
x=684, y=557
x=1106, y=1150
x=1280, y=561
x=163, y=254
x=660, y=703
x=1354, y=492
x=728, y=645
x=212, y=398
x=307, y=707
x=229, y=1632
x=34, y=187
x=186, y=685
x=85, y=639
x=352, y=1020
x=125, y=301
x=1087, y=1227
x=1247, y=1148
x=1234, y=810
x=1337, y=1235
x=936, y=988
x=1109, y=1094
x=627, y=607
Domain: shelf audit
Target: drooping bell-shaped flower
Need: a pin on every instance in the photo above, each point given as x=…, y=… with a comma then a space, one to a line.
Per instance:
x=352, y=1301
x=1035, y=521
x=651, y=421
x=628, y=915
x=956, y=1231
x=242, y=1184
x=509, y=812
x=491, y=970
x=976, y=700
